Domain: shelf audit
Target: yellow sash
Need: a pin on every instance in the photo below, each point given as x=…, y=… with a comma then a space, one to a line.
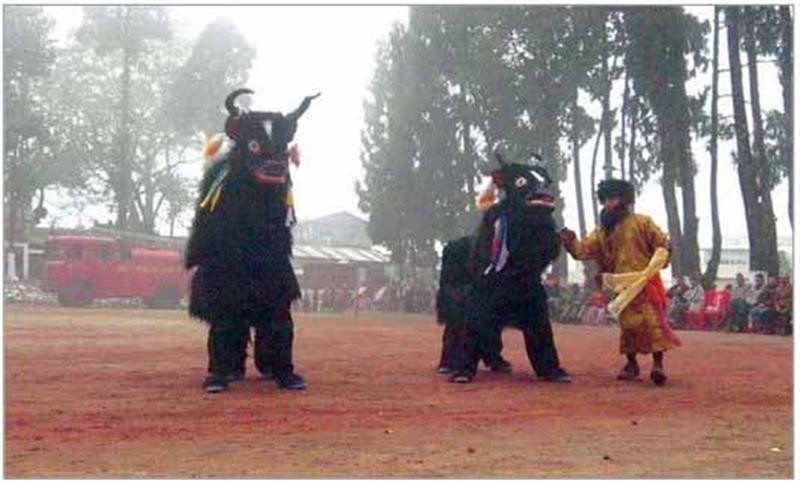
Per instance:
x=628, y=285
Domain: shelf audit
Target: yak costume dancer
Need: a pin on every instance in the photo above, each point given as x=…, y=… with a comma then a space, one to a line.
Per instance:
x=630, y=249
x=455, y=282
x=516, y=241
x=241, y=243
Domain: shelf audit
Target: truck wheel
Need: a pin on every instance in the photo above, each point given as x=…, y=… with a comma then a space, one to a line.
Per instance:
x=167, y=297
x=80, y=294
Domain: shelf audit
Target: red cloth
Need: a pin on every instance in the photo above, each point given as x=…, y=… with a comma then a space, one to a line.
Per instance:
x=657, y=295
x=597, y=299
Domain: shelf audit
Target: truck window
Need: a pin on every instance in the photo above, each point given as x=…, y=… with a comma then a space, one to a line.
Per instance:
x=103, y=253
x=74, y=252
x=124, y=252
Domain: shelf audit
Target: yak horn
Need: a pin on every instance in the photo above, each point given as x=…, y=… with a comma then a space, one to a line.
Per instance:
x=500, y=159
x=232, y=109
x=295, y=115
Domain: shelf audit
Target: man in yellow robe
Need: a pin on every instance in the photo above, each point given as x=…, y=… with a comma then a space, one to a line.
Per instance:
x=626, y=242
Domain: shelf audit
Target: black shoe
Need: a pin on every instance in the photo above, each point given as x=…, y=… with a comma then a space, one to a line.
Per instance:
x=214, y=384
x=291, y=381
x=558, y=375
x=628, y=373
x=462, y=377
x=267, y=375
x=444, y=370
x=235, y=377
x=658, y=377
x=501, y=365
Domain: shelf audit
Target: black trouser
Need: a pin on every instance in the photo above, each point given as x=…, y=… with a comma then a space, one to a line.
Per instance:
x=492, y=305
x=455, y=332
x=227, y=344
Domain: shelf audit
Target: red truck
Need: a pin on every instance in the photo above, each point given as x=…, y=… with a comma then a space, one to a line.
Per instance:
x=80, y=269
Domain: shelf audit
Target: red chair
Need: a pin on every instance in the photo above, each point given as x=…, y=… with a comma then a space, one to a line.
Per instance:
x=696, y=319
x=717, y=307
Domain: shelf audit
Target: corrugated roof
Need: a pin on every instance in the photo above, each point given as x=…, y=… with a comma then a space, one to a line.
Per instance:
x=339, y=254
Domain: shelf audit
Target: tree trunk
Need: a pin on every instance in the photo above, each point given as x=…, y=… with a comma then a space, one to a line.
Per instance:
x=608, y=166
x=576, y=163
x=11, y=228
x=744, y=165
x=594, y=170
x=710, y=274
x=124, y=171
x=787, y=79
x=623, y=118
x=673, y=223
x=634, y=118
x=686, y=173
x=768, y=246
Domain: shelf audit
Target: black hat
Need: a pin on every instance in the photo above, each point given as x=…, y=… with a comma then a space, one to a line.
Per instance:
x=615, y=187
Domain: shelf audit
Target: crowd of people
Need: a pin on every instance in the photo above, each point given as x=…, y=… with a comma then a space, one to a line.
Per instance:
x=763, y=306
x=398, y=297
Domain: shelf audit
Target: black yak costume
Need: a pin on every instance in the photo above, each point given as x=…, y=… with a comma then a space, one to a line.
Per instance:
x=455, y=282
x=516, y=241
x=241, y=244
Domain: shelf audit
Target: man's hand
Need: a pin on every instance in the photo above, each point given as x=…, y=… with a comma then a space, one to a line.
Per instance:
x=567, y=235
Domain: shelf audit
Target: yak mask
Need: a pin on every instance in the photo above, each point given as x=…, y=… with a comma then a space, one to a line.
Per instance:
x=525, y=186
x=262, y=138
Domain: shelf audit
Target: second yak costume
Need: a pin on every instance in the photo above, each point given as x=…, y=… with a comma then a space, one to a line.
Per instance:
x=516, y=241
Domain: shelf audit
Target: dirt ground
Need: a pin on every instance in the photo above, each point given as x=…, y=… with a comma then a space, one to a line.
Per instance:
x=106, y=393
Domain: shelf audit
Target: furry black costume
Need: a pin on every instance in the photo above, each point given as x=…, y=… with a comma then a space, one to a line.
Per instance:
x=516, y=241
x=455, y=282
x=241, y=243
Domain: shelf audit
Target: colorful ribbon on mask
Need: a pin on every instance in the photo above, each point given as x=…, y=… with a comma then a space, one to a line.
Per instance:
x=499, y=245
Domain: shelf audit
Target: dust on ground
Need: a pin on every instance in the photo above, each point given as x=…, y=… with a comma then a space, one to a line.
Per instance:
x=109, y=393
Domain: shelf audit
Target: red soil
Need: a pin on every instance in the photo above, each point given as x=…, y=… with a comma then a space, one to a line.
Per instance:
x=116, y=393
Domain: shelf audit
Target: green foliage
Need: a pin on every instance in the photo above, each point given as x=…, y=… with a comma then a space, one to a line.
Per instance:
x=109, y=29
x=219, y=63
x=99, y=113
x=29, y=143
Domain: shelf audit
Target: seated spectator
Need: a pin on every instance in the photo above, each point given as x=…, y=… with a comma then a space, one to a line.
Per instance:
x=595, y=313
x=677, y=305
x=696, y=298
x=575, y=304
x=552, y=287
x=717, y=306
x=762, y=315
x=739, y=306
x=783, y=306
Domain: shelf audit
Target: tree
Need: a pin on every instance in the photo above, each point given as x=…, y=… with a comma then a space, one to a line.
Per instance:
x=384, y=157
x=128, y=32
x=90, y=99
x=759, y=154
x=660, y=38
x=787, y=81
x=760, y=222
x=219, y=63
x=710, y=274
x=29, y=145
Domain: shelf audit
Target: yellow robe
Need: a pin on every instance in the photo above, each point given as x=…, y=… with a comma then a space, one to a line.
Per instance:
x=629, y=248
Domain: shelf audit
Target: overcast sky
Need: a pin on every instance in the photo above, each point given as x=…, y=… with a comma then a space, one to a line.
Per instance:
x=302, y=50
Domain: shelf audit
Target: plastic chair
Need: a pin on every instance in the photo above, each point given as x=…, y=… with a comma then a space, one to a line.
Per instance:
x=696, y=319
x=717, y=307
